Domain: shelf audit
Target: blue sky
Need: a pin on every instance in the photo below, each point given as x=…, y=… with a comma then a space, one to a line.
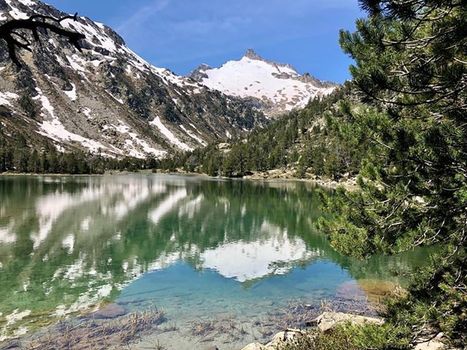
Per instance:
x=181, y=34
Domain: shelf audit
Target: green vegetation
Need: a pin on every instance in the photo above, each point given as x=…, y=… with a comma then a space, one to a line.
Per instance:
x=17, y=156
x=354, y=337
x=318, y=139
x=410, y=66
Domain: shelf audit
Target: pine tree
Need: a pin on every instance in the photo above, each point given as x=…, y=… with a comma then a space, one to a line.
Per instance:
x=411, y=69
x=34, y=163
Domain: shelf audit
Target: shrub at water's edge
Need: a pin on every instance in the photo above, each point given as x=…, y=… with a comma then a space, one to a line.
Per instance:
x=354, y=337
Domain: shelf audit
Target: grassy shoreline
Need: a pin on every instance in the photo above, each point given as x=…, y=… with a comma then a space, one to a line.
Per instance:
x=276, y=175
x=271, y=176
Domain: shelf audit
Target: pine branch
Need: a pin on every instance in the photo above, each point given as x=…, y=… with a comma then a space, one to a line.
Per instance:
x=10, y=29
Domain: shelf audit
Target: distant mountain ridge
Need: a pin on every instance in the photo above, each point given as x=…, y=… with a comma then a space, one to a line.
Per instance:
x=277, y=88
x=106, y=99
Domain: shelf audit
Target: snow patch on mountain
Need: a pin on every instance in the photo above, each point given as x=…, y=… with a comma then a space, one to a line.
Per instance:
x=76, y=63
x=169, y=135
x=147, y=149
x=94, y=33
x=71, y=93
x=16, y=13
x=6, y=96
x=193, y=136
x=27, y=2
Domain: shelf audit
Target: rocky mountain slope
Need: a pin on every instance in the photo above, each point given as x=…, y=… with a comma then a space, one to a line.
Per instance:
x=277, y=88
x=105, y=99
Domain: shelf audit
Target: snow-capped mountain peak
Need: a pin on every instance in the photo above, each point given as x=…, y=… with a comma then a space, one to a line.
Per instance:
x=279, y=87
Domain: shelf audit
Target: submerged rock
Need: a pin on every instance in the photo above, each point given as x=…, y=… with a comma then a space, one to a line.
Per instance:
x=284, y=337
x=278, y=341
x=12, y=345
x=378, y=290
x=109, y=311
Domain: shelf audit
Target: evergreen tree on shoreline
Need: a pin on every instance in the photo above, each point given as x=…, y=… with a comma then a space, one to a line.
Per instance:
x=411, y=68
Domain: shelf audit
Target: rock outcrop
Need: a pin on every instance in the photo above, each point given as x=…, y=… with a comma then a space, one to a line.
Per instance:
x=432, y=344
x=278, y=341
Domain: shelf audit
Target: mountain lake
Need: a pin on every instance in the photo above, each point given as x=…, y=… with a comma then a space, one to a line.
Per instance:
x=189, y=262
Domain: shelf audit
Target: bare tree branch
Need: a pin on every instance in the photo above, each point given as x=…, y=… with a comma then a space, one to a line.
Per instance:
x=9, y=30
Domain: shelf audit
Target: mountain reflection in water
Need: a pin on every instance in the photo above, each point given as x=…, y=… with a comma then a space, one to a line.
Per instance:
x=69, y=243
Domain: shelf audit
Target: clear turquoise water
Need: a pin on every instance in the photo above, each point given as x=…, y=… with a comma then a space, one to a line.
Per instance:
x=202, y=250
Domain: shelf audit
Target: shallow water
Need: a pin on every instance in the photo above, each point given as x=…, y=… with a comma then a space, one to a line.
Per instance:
x=232, y=253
